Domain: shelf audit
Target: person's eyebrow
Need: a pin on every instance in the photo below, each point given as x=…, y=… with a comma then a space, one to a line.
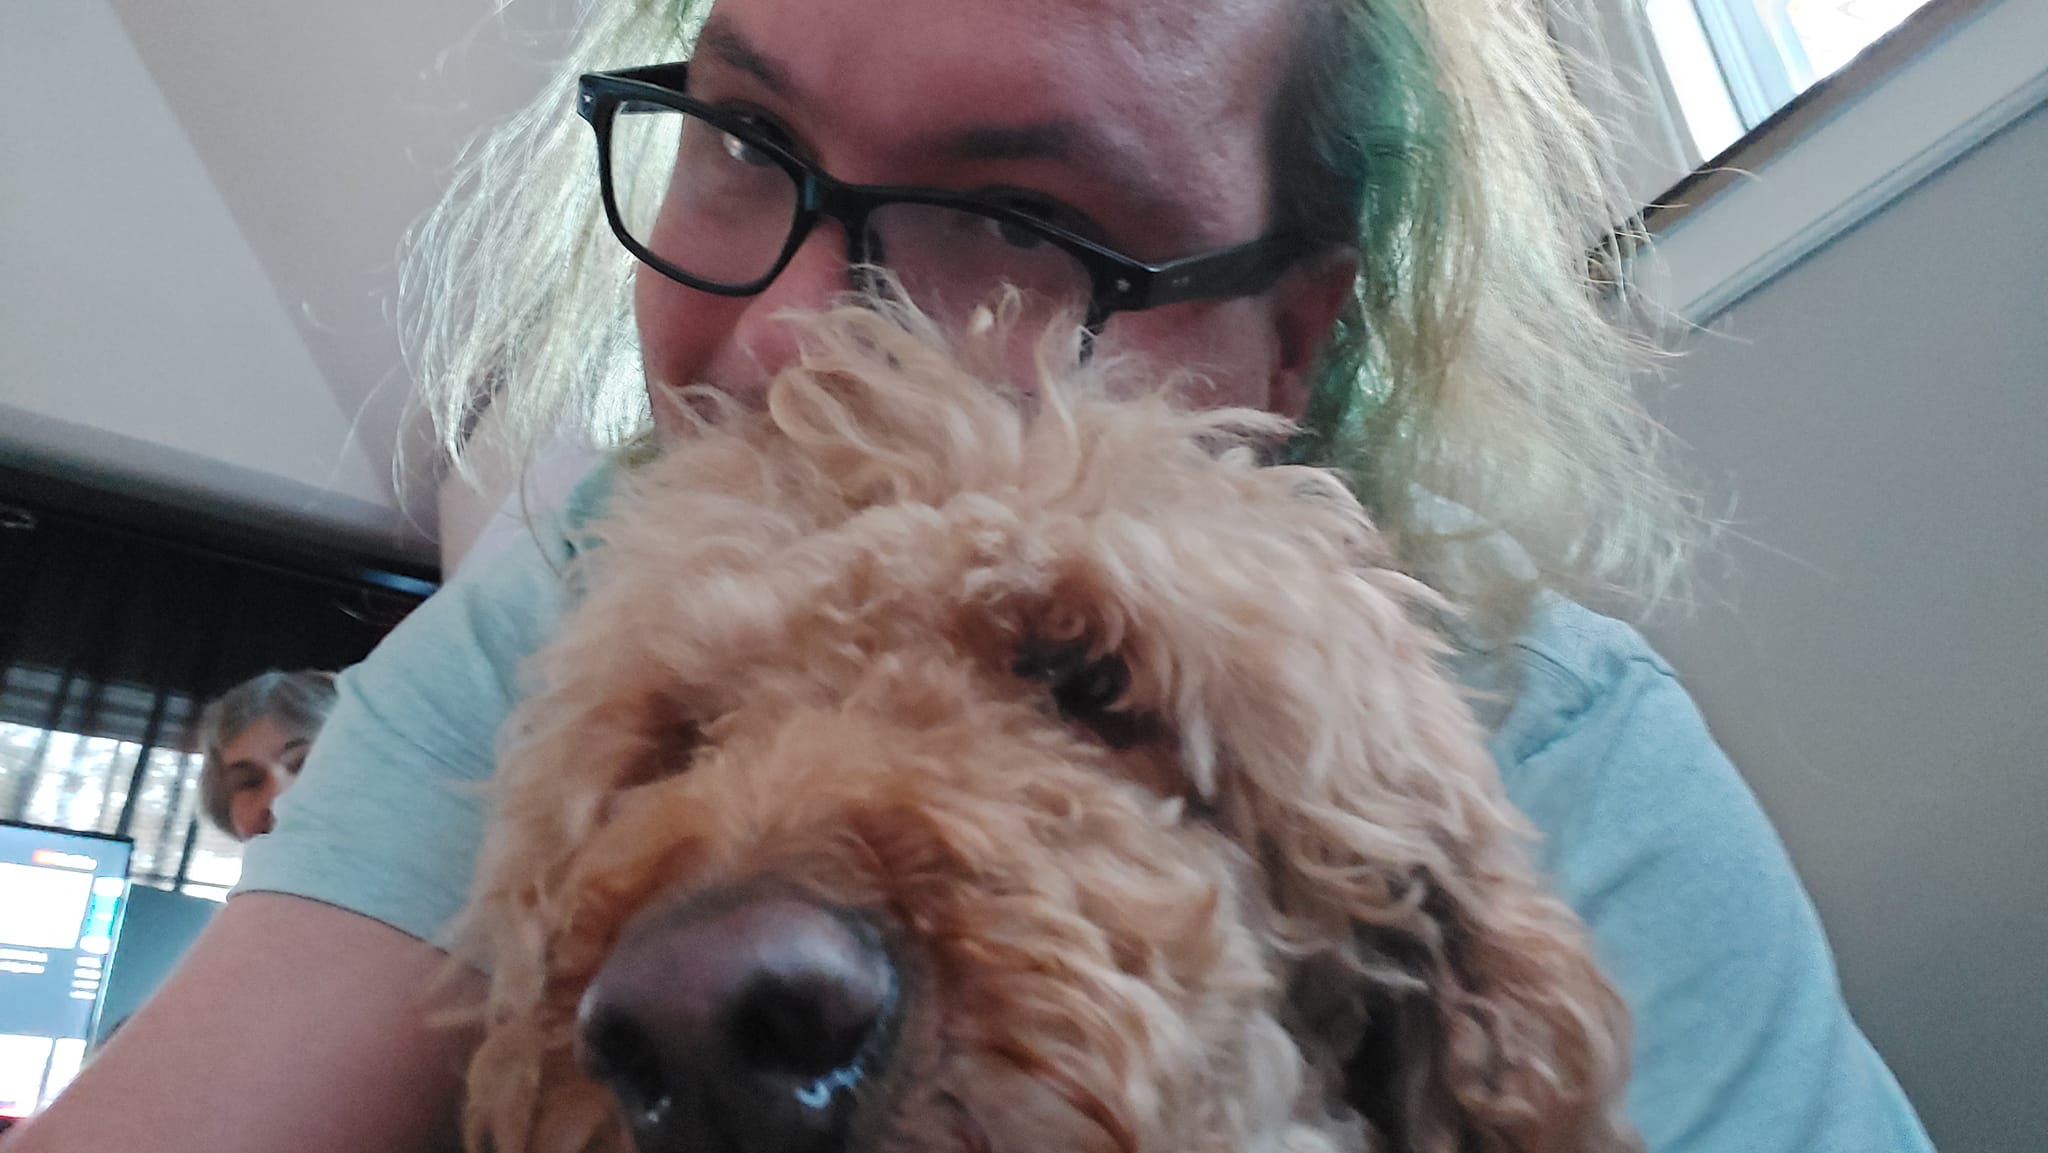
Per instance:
x=1061, y=141
x=1043, y=140
x=1047, y=140
x=253, y=766
x=727, y=46
x=1072, y=145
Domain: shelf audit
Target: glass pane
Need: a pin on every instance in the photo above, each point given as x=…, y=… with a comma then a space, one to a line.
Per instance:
x=698, y=197
x=162, y=810
x=953, y=263
x=69, y=781
x=78, y=778
x=1829, y=33
x=1695, y=76
x=1734, y=63
x=216, y=859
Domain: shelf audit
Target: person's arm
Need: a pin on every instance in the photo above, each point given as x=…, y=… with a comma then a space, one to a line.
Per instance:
x=291, y=1025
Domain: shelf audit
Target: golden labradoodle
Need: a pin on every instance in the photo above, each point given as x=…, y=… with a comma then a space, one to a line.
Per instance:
x=930, y=769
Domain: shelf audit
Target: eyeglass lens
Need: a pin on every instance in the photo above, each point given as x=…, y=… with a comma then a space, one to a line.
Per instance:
x=707, y=202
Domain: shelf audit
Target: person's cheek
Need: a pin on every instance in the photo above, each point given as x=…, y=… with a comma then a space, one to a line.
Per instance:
x=1221, y=351
x=262, y=800
x=678, y=330
x=246, y=814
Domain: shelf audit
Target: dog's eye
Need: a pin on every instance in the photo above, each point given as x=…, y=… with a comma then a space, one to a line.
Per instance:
x=1085, y=688
x=671, y=743
x=1082, y=686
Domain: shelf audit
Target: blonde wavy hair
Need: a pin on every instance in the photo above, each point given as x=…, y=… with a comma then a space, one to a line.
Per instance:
x=1485, y=363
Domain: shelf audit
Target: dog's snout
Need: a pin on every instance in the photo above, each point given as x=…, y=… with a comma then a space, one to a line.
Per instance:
x=740, y=1024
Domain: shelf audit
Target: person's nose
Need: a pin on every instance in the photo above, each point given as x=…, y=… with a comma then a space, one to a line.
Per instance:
x=252, y=817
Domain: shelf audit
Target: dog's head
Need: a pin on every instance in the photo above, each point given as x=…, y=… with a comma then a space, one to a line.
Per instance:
x=932, y=770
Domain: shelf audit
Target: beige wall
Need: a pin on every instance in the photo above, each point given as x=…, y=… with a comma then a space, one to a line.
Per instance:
x=1873, y=646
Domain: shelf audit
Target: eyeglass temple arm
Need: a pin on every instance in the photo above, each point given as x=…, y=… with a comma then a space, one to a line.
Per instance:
x=1245, y=270
x=672, y=76
x=592, y=87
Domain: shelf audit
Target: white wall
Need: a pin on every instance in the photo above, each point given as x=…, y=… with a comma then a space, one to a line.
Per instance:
x=137, y=333
x=329, y=129
x=1874, y=648
x=201, y=207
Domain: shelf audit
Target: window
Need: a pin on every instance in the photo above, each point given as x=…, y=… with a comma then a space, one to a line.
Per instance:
x=99, y=784
x=112, y=640
x=1732, y=64
x=1898, y=90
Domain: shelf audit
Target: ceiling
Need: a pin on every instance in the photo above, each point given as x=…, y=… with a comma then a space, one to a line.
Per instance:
x=207, y=239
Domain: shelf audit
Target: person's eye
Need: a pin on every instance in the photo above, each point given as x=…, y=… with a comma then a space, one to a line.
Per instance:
x=1036, y=207
x=1018, y=235
x=745, y=146
x=739, y=149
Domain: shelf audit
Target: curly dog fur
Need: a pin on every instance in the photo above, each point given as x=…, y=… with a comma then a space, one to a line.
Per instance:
x=1264, y=893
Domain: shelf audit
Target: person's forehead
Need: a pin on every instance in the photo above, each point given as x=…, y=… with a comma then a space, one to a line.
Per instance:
x=1181, y=86
x=262, y=739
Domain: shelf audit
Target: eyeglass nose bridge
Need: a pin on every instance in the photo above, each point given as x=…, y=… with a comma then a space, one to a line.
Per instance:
x=822, y=197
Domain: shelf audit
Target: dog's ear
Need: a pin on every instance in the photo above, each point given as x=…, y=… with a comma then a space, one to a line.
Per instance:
x=1487, y=1030
x=1444, y=992
x=1448, y=996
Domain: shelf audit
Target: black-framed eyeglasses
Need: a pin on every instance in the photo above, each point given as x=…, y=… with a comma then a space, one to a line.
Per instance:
x=713, y=200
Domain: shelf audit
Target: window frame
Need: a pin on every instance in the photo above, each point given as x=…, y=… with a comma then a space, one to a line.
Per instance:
x=1949, y=76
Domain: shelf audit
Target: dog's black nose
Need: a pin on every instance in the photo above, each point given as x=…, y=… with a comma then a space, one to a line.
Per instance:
x=740, y=1024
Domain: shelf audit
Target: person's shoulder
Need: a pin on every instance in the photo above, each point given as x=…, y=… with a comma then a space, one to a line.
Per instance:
x=592, y=497
x=1566, y=667
x=1601, y=745
x=387, y=814
x=1649, y=832
x=1582, y=645
x=1568, y=660
x=548, y=517
x=1603, y=748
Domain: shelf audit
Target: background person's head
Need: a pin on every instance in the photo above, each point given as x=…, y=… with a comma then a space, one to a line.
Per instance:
x=253, y=739
x=1448, y=337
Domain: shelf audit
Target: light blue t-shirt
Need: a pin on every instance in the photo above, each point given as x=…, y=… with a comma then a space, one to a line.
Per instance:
x=1742, y=1045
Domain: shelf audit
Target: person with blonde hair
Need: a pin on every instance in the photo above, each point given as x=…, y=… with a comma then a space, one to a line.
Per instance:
x=253, y=739
x=1376, y=218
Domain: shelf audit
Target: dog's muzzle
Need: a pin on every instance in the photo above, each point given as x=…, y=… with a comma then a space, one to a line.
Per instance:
x=741, y=1022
